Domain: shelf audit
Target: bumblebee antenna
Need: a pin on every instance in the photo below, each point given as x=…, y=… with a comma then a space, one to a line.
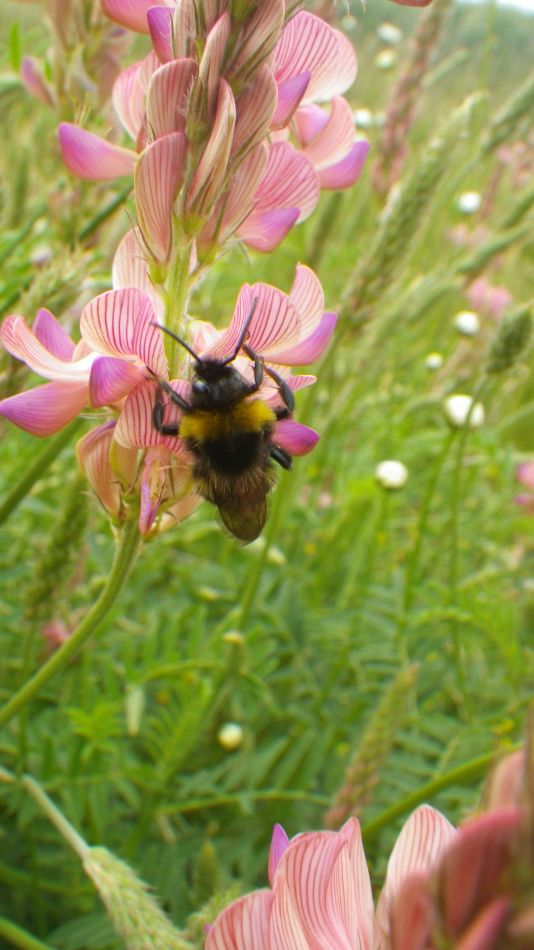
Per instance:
x=178, y=340
x=243, y=333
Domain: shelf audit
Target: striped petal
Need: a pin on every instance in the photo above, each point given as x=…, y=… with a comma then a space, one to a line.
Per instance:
x=265, y=230
x=20, y=341
x=45, y=409
x=279, y=844
x=135, y=428
x=167, y=97
x=274, y=325
x=122, y=322
x=111, y=380
x=411, y=916
x=93, y=456
x=130, y=13
x=290, y=94
x=209, y=70
x=308, y=297
x=159, y=21
x=350, y=895
x=51, y=334
x=309, y=122
x=298, y=439
x=243, y=925
x=255, y=109
x=290, y=181
x=335, y=139
x=128, y=97
x=308, y=44
x=345, y=172
x=313, y=346
x=245, y=183
x=157, y=179
x=258, y=37
x=90, y=157
x=211, y=170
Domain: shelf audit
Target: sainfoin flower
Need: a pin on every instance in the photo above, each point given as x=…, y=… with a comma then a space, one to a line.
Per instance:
x=117, y=362
x=320, y=897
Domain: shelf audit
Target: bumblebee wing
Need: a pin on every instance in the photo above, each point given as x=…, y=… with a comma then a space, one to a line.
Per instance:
x=244, y=516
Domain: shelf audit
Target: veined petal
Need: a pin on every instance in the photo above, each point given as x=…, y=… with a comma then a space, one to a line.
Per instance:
x=290, y=93
x=159, y=21
x=112, y=379
x=298, y=439
x=130, y=13
x=308, y=44
x=243, y=925
x=345, y=172
x=157, y=179
x=245, y=183
x=168, y=95
x=279, y=844
x=130, y=270
x=410, y=925
x=265, y=230
x=305, y=871
x=122, y=322
x=51, y=334
x=135, y=427
x=309, y=122
x=255, y=109
x=308, y=297
x=20, y=341
x=274, y=325
x=209, y=70
x=211, y=169
x=90, y=157
x=128, y=97
x=93, y=456
x=336, y=137
x=313, y=346
x=45, y=409
x=349, y=890
x=423, y=839
x=290, y=181
x=259, y=37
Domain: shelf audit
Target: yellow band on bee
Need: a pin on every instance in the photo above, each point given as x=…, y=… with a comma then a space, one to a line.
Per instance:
x=206, y=425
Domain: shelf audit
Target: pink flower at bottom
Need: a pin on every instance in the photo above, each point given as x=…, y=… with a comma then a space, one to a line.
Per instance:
x=320, y=897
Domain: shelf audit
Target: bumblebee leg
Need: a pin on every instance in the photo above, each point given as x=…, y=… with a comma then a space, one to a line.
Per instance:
x=259, y=368
x=159, y=409
x=281, y=456
x=285, y=391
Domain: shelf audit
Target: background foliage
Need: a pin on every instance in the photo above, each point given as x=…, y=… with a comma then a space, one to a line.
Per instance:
x=392, y=631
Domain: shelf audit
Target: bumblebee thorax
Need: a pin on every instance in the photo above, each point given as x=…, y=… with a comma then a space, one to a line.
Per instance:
x=216, y=385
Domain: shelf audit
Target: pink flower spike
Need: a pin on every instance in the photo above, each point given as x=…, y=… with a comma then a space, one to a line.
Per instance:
x=167, y=97
x=290, y=94
x=51, y=334
x=345, y=172
x=130, y=13
x=157, y=180
x=295, y=438
x=46, y=409
x=279, y=843
x=159, y=21
x=90, y=157
x=243, y=925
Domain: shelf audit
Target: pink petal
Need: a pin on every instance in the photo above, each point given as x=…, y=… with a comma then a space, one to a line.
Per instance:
x=32, y=76
x=311, y=348
x=93, y=456
x=335, y=139
x=45, y=409
x=121, y=322
x=135, y=428
x=167, y=97
x=309, y=44
x=290, y=181
x=273, y=326
x=210, y=66
x=290, y=93
x=309, y=122
x=302, y=883
x=159, y=21
x=307, y=296
x=295, y=438
x=211, y=170
x=157, y=179
x=265, y=230
x=344, y=173
x=506, y=782
x=255, y=109
x=20, y=341
x=258, y=37
x=349, y=890
x=487, y=931
x=245, y=183
x=423, y=839
x=128, y=98
x=525, y=474
x=51, y=334
x=130, y=270
x=411, y=916
x=129, y=13
x=279, y=844
x=111, y=380
x=88, y=156
x=243, y=925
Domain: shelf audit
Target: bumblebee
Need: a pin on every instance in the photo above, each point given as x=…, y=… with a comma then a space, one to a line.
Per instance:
x=229, y=434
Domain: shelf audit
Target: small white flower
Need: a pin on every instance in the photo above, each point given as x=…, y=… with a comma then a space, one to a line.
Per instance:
x=386, y=59
x=457, y=409
x=469, y=202
x=434, y=361
x=389, y=33
x=391, y=474
x=467, y=323
x=363, y=118
x=230, y=736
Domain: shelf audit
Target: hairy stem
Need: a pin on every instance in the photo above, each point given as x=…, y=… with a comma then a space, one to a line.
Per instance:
x=17, y=937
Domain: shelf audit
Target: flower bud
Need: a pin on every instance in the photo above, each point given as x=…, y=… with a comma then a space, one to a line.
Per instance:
x=460, y=410
x=467, y=323
x=391, y=474
x=230, y=736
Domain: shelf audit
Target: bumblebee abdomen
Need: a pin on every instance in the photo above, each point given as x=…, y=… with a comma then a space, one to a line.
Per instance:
x=231, y=441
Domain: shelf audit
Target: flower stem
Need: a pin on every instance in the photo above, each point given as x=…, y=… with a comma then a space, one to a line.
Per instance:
x=177, y=288
x=17, y=937
x=124, y=557
x=462, y=775
x=37, y=469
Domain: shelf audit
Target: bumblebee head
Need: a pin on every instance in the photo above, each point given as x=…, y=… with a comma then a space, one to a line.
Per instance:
x=216, y=385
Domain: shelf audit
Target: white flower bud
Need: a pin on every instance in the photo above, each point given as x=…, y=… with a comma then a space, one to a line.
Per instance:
x=467, y=323
x=457, y=409
x=389, y=33
x=391, y=474
x=363, y=118
x=434, y=361
x=230, y=736
x=469, y=202
x=386, y=59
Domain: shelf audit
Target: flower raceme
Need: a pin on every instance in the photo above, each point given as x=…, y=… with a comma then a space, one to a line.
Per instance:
x=117, y=361
x=223, y=112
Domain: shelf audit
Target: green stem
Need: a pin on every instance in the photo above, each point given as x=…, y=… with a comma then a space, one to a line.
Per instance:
x=177, y=288
x=105, y=213
x=56, y=818
x=462, y=775
x=36, y=470
x=18, y=937
x=124, y=557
